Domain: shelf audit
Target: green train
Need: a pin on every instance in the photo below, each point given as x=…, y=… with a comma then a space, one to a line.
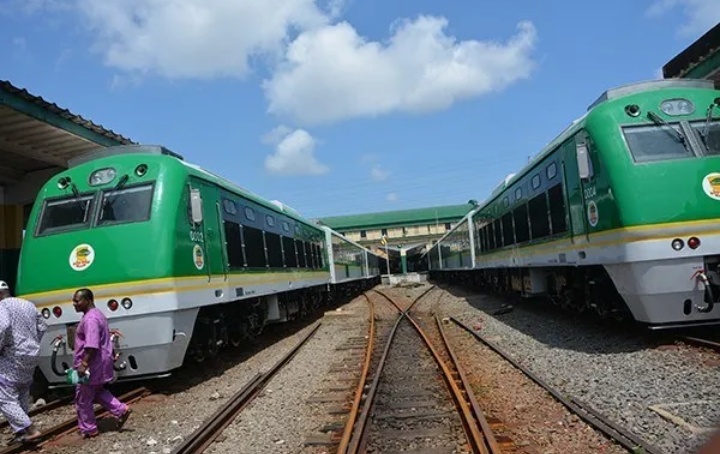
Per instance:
x=181, y=261
x=620, y=214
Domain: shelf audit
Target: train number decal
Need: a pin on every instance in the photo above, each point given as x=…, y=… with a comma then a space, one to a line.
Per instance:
x=590, y=192
x=197, y=236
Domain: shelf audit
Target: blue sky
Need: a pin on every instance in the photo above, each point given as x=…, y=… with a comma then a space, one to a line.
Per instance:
x=341, y=106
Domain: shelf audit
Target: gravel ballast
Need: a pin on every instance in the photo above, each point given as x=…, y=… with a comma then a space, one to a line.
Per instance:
x=620, y=374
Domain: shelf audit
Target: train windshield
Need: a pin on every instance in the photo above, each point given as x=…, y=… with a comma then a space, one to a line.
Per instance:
x=657, y=143
x=709, y=134
x=126, y=205
x=64, y=214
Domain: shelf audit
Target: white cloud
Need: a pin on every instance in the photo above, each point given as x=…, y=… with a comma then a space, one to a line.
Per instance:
x=701, y=15
x=294, y=153
x=392, y=197
x=332, y=73
x=196, y=38
x=378, y=174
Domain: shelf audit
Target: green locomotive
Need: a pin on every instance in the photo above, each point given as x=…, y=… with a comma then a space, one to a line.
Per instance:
x=619, y=214
x=180, y=260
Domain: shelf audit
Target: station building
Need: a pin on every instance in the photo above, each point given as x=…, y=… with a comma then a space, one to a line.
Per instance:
x=409, y=232
x=37, y=138
x=701, y=60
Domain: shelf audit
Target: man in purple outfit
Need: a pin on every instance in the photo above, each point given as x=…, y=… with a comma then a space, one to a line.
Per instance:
x=94, y=353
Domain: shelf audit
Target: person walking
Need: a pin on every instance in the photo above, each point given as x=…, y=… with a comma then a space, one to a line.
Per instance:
x=21, y=330
x=94, y=354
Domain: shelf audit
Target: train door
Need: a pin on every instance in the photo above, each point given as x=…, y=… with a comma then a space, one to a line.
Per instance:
x=211, y=228
x=574, y=192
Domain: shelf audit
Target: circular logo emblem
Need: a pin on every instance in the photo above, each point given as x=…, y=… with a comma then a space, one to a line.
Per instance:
x=711, y=185
x=198, y=257
x=81, y=257
x=592, y=213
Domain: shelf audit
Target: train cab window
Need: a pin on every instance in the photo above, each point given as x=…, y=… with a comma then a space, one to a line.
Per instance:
x=126, y=205
x=551, y=170
x=536, y=181
x=709, y=137
x=249, y=214
x=657, y=143
x=65, y=214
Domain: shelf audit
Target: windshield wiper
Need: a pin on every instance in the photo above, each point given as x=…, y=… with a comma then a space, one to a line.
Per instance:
x=706, y=129
x=660, y=122
x=124, y=179
x=79, y=201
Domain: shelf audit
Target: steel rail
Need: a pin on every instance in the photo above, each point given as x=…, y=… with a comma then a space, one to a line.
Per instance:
x=70, y=425
x=355, y=427
x=352, y=418
x=470, y=424
x=206, y=434
x=702, y=342
x=491, y=443
x=623, y=437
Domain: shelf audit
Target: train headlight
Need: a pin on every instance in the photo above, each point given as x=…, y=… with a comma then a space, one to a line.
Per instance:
x=46, y=313
x=677, y=244
x=113, y=305
x=126, y=303
x=63, y=182
x=694, y=242
x=632, y=110
x=57, y=311
x=102, y=176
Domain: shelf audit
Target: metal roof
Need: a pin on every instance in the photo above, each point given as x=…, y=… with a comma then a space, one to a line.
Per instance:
x=36, y=134
x=702, y=55
x=431, y=215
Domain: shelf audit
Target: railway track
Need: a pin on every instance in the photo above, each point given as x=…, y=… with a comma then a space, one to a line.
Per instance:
x=70, y=425
x=416, y=397
x=583, y=410
x=206, y=434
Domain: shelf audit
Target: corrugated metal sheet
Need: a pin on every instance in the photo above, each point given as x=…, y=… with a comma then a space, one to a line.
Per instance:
x=705, y=46
x=36, y=134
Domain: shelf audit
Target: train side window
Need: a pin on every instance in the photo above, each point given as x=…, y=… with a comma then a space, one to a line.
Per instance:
x=233, y=245
x=274, y=250
x=498, y=234
x=551, y=170
x=522, y=229
x=302, y=260
x=254, y=247
x=286, y=226
x=290, y=253
x=540, y=224
x=506, y=202
x=536, y=181
x=518, y=193
x=507, y=229
x=557, y=209
x=249, y=214
x=270, y=220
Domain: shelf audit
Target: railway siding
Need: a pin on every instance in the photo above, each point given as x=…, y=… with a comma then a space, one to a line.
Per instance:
x=621, y=374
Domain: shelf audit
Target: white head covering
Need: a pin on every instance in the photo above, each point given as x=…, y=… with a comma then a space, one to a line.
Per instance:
x=4, y=286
